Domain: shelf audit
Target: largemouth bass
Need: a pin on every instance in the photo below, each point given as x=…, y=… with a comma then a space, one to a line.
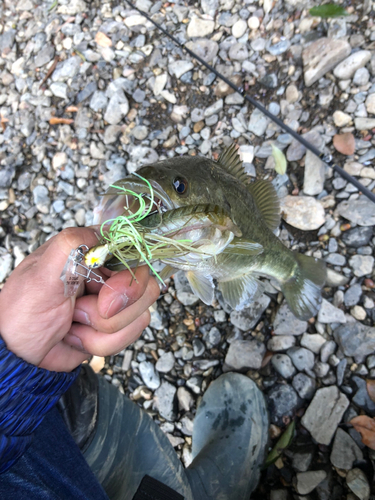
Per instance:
x=255, y=251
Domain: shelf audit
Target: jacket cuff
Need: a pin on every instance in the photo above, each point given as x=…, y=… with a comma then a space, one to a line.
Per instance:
x=27, y=393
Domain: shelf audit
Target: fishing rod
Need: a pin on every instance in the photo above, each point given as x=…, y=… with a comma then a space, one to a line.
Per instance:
x=327, y=159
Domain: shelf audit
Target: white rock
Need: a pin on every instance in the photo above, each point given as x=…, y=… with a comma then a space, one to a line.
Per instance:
x=135, y=20
x=160, y=83
x=239, y=28
x=165, y=363
x=246, y=153
x=312, y=341
x=200, y=27
x=281, y=343
x=59, y=89
x=179, y=68
x=328, y=313
x=358, y=313
x=370, y=104
x=362, y=264
x=322, y=56
x=325, y=413
x=292, y=94
x=308, y=481
x=6, y=262
x=245, y=354
x=253, y=22
x=341, y=119
x=349, y=66
x=314, y=175
x=303, y=212
x=59, y=160
x=364, y=123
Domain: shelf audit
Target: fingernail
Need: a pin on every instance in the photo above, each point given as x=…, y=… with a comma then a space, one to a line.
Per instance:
x=80, y=316
x=75, y=342
x=118, y=304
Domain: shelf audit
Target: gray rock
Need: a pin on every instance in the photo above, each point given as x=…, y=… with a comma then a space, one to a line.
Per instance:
x=279, y=47
x=321, y=369
x=198, y=347
x=281, y=343
x=98, y=101
x=6, y=264
x=357, y=482
x=361, y=211
x=353, y=295
x=23, y=181
x=279, y=495
x=283, y=365
x=282, y=402
x=344, y=451
x=165, y=363
x=44, y=56
x=247, y=318
x=204, y=48
x=42, y=199
x=304, y=385
x=149, y=376
x=336, y=259
x=183, y=290
x=328, y=313
x=303, y=212
x=6, y=176
x=245, y=355
x=7, y=40
x=346, y=69
x=362, y=398
x=269, y=80
x=86, y=92
x=327, y=350
x=302, y=358
x=361, y=77
x=325, y=413
x=362, y=264
x=286, y=323
x=165, y=401
x=340, y=371
x=117, y=109
x=210, y=7
x=214, y=108
x=313, y=342
x=358, y=236
x=178, y=68
x=238, y=52
x=258, y=123
x=212, y=337
x=308, y=481
x=322, y=56
x=66, y=69
x=302, y=461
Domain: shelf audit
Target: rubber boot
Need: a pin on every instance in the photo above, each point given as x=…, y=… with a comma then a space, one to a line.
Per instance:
x=230, y=435
x=127, y=445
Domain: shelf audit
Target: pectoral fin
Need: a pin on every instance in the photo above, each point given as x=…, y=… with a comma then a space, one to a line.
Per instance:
x=167, y=272
x=241, y=291
x=202, y=285
x=243, y=246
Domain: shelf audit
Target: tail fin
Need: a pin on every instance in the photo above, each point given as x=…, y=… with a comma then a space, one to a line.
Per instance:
x=303, y=290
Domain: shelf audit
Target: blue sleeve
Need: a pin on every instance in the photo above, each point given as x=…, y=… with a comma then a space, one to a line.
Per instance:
x=27, y=393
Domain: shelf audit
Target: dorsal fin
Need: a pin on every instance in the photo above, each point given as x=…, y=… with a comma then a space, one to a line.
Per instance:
x=267, y=201
x=230, y=161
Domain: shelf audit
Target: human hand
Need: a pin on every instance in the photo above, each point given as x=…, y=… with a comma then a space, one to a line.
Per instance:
x=43, y=327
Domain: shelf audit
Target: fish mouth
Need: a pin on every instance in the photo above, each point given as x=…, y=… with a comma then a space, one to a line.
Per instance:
x=116, y=202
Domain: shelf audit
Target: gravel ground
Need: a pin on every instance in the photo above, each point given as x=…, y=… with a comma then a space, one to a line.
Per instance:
x=91, y=90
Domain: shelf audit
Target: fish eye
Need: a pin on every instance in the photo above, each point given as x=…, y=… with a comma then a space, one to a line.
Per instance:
x=180, y=185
